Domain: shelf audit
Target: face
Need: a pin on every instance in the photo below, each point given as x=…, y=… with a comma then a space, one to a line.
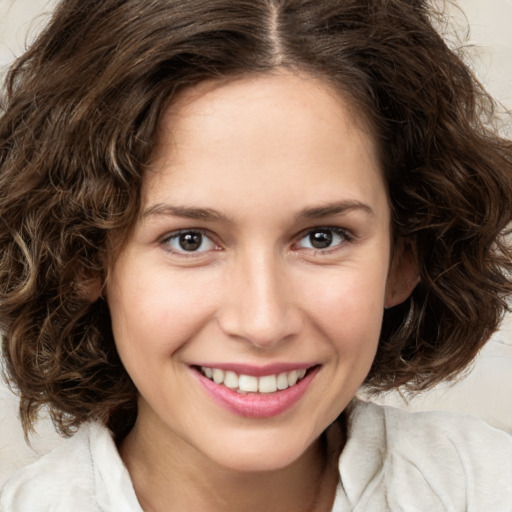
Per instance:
x=247, y=302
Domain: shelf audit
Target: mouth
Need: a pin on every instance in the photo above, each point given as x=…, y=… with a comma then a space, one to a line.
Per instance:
x=255, y=393
x=242, y=383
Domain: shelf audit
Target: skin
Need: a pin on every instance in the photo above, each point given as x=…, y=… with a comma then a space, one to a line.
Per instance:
x=277, y=157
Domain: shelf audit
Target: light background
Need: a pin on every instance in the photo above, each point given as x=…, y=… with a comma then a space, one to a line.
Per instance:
x=488, y=389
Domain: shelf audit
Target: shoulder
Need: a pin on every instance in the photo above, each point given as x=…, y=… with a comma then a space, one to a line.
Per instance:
x=84, y=473
x=63, y=475
x=441, y=460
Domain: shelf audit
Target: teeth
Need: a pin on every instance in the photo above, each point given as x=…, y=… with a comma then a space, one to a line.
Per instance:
x=247, y=383
x=282, y=381
x=218, y=376
x=267, y=384
x=252, y=384
x=231, y=380
x=292, y=378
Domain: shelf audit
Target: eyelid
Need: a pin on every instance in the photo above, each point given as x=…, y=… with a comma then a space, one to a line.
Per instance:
x=164, y=241
x=346, y=235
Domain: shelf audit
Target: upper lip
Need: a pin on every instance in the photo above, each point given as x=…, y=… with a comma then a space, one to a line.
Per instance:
x=257, y=370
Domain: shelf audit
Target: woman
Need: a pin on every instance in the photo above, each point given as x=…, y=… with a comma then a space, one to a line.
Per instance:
x=221, y=219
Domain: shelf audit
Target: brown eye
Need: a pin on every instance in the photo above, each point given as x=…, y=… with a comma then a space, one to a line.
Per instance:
x=323, y=238
x=189, y=241
x=320, y=239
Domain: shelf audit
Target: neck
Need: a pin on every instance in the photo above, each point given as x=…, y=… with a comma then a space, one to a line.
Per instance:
x=175, y=473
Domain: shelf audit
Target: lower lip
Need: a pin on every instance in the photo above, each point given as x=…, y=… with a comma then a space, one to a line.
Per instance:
x=257, y=405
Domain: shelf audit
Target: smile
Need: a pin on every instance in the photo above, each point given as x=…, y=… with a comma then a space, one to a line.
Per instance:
x=252, y=384
x=255, y=396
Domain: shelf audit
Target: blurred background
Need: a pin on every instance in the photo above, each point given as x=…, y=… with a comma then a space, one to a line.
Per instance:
x=485, y=28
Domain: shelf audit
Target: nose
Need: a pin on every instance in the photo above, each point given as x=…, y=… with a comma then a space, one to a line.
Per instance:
x=260, y=306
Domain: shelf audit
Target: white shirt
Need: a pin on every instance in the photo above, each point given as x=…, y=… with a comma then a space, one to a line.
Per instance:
x=393, y=461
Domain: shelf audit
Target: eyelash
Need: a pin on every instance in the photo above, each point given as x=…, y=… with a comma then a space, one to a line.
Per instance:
x=175, y=236
x=344, y=236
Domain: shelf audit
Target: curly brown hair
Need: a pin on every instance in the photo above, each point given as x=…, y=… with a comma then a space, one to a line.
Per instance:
x=80, y=111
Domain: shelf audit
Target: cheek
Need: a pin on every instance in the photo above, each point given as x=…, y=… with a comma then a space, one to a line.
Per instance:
x=155, y=313
x=349, y=310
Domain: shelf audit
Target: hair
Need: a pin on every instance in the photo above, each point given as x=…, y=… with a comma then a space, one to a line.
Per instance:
x=81, y=109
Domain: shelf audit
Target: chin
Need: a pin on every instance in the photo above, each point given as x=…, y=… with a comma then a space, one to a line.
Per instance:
x=262, y=456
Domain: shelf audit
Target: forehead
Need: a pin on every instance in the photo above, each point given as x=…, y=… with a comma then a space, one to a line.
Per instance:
x=263, y=133
x=246, y=95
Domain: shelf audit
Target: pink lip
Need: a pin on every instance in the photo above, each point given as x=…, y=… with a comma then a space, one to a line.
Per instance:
x=256, y=405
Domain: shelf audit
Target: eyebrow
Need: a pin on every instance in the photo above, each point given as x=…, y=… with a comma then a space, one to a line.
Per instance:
x=208, y=214
x=336, y=208
x=205, y=214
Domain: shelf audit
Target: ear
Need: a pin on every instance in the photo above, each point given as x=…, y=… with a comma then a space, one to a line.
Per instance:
x=403, y=274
